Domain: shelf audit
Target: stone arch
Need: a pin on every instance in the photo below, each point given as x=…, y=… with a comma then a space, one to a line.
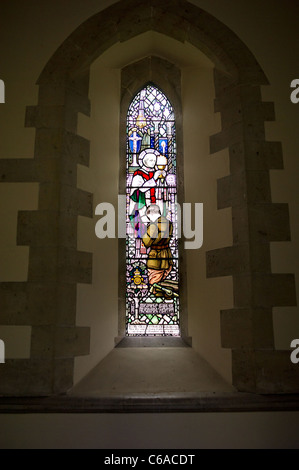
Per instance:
x=178, y=19
x=55, y=265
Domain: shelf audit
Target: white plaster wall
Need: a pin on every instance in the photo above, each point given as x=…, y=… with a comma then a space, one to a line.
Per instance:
x=206, y=297
x=97, y=304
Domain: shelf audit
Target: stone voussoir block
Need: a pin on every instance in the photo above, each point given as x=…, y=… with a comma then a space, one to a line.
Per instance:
x=55, y=95
x=223, y=82
x=237, y=94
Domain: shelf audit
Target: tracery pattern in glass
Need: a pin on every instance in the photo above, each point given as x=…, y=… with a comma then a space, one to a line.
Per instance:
x=152, y=277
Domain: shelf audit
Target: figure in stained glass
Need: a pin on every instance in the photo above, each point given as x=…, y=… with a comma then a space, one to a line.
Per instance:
x=157, y=237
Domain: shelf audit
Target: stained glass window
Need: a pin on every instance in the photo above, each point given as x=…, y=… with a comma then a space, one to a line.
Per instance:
x=152, y=275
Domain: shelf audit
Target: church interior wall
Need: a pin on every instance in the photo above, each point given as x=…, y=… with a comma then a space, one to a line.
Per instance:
x=21, y=70
x=271, y=34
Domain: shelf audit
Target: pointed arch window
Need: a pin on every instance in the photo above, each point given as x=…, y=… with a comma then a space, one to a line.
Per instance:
x=152, y=272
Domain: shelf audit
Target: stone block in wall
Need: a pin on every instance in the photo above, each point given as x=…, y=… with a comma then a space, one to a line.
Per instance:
x=258, y=186
x=269, y=222
x=240, y=224
x=57, y=169
x=52, y=117
x=255, y=155
x=223, y=82
x=59, y=341
x=35, y=303
x=164, y=21
x=94, y=37
x=59, y=264
x=65, y=198
x=237, y=95
x=239, y=188
x=260, y=222
x=227, y=261
x=252, y=113
x=245, y=328
x=63, y=375
x=260, y=257
x=226, y=137
x=43, y=264
x=60, y=69
x=43, y=342
x=18, y=170
x=133, y=21
x=52, y=303
x=36, y=377
x=224, y=192
x=243, y=103
x=72, y=341
x=276, y=373
x=264, y=371
x=24, y=377
x=59, y=143
x=55, y=95
x=264, y=290
x=47, y=228
x=276, y=289
x=31, y=116
x=14, y=304
x=75, y=266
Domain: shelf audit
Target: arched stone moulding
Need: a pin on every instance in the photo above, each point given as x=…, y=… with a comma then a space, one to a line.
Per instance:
x=55, y=265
